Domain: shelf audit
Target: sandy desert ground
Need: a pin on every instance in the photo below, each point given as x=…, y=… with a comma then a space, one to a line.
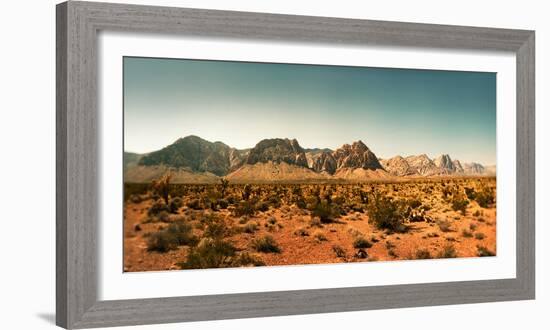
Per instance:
x=183, y=226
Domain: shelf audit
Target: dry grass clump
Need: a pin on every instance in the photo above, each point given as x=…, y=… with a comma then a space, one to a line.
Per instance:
x=361, y=243
x=176, y=234
x=339, y=251
x=423, y=254
x=266, y=244
x=482, y=251
x=448, y=251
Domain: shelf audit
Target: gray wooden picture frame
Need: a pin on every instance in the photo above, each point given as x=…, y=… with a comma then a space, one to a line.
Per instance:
x=78, y=24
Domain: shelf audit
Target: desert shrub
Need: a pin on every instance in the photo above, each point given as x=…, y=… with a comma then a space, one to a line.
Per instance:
x=459, y=204
x=389, y=245
x=210, y=253
x=448, y=251
x=274, y=201
x=325, y=211
x=485, y=197
x=247, y=190
x=423, y=254
x=163, y=216
x=135, y=198
x=361, y=243
x=467, y=233
x=244, y=208
x=479, y=236
x=300, y=202
x=176, y=234
x=386, y=213
x=319, y=236
x=194, y=204
x=301, y=232
x=157, y=207
x=311, y=202
x=271, y=220
x=251, y=227
x=216, y=230
x=339, y=251
x=245, y=259
x=473, y=226
x=414, y=203
x=444, y=225
x=175, y=204
x=224, y=184
x=262, y=206
x=482, y=251
x=161, y=187
x=266, y=244
x=223, y=203
x=470, y=193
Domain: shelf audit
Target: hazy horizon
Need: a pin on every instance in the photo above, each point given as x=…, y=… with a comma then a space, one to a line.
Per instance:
x=393, y=111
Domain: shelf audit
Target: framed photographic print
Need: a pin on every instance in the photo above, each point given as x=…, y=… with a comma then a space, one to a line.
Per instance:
x=216, y=165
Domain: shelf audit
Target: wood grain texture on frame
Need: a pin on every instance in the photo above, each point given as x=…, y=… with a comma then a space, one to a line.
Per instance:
x=77, y=151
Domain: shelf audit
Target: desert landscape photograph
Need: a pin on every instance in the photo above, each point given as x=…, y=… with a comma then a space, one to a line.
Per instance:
x=244, y=164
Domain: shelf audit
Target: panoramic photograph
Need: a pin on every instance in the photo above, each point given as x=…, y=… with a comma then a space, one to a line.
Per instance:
x=245, y=164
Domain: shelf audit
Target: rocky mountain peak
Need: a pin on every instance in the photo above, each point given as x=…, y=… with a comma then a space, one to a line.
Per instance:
x=445, y=163
x=277, y=150
x=356, y=155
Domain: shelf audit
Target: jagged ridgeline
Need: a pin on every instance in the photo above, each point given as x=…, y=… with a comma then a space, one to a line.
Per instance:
x=195, y=160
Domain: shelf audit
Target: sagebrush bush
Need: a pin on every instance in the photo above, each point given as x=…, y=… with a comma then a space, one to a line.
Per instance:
x=485, y=197
x=157, y=207
x=467, y=233
x=479, y=236
x=423, y=254
x=175, y=204
x=210, y=253
x=325, y=211
x=266, y=244
x=339, y=251
x=251, y=227
x=459, y=204
x=448, y=251
x=386, y=213
x=361, y=243
x=244, y=207
x=169, y=238
x=482, y=251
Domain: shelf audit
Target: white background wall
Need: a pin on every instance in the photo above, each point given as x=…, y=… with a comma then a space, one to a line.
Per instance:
x=27, y=162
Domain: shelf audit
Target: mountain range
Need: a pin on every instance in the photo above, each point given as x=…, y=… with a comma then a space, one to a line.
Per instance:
x=194, y=160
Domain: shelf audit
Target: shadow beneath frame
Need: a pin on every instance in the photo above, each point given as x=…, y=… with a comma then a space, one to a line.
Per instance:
x=48, y=317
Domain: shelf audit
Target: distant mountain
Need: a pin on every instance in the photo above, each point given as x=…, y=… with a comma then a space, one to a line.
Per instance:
x=194, y=160
x=356, y=155
x=131, y=159
x=322, y=162
x=194, y=154
x=458, y=166
x=474, y=168
x=423, y=165
x=398, y=166
x=445, y=164
x=277, y=151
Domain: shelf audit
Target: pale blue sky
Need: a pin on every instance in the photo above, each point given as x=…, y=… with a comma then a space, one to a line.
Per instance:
x=394, y=111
